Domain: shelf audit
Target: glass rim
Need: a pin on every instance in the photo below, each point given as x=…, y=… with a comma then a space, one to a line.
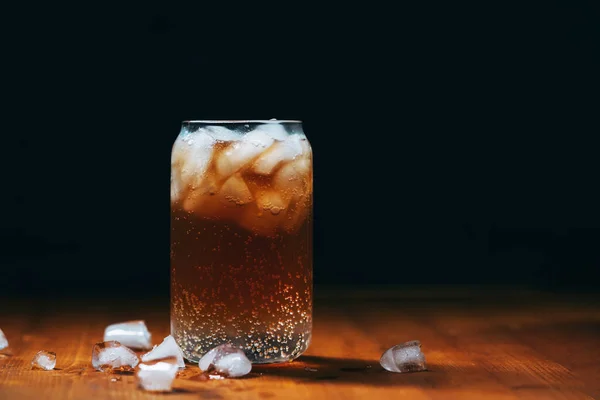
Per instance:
x=243, y=121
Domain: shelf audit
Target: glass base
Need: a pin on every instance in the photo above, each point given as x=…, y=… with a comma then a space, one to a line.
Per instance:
x=258, y=361
x=274, y=353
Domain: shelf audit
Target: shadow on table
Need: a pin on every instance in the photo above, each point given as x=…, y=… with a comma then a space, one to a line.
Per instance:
x=319, y=369
x=471, y=379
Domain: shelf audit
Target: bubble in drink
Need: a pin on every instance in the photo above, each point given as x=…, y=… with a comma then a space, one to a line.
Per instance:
x=241, y=241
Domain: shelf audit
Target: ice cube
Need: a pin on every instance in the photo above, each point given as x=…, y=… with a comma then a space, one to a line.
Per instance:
x=221, y=134
x=168, y=348
x=44, y=360
x=226, y=360
x=196, y=198
x=267, y=214
x=220, y=203
x=260, y=221
x=294, y=182
x=3, y=340
x=271, y=200
x=192, y=158
x=132, y=334
x=179, y=156
x=292, y=176
x=306, y=149
x=242, y=152
x=235, y=191
x=112, y=355
x=275, y=130
x=157, y=375
x=296, y=213
x=279, y=152
x=176, y=191
x=405, y=357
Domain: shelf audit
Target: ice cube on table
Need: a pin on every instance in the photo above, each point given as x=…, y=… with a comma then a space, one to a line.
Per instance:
x=112, y=355
x=3, y=340
x=227, y=361
x=132, y=334
x=405, y=357
x=168, y=348
x=157, y=375
x=45, y=360
x=278, y=153
x=242, y=152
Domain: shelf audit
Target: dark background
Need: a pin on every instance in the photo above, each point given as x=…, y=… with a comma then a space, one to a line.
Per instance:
x=452, y=144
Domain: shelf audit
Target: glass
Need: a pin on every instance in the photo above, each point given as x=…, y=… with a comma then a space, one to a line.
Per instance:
x=241, y=238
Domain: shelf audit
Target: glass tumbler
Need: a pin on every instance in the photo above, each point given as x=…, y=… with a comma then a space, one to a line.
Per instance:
x=241, y=238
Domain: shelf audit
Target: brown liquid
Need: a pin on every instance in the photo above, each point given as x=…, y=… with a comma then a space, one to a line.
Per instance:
x=241, y=270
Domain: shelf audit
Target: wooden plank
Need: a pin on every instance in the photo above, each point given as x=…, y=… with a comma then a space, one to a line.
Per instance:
x=532, y=347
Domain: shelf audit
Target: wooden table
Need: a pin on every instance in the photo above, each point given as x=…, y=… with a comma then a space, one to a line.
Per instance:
x=479, y=344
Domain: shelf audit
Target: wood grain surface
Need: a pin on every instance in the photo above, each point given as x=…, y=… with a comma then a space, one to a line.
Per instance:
x=479, y=344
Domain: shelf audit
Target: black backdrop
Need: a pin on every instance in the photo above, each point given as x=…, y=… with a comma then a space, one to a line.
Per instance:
x=453, y=144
